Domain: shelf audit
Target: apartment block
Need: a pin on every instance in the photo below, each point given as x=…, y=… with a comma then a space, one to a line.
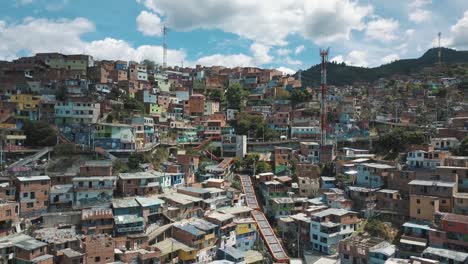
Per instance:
x=9, y=216
x=33, y=195
x=92, y=191
x=330, y=226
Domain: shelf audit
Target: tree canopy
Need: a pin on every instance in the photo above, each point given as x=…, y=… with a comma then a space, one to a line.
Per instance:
x=235, y=96
x=39, y=134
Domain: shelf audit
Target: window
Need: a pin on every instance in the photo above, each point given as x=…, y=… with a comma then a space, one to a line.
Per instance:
x=314, y=237
x=25, y=195
x=418, y=201
x=33, y=195
x=97, y=259
x=29, y=205
x=8, y=212
x=419, y=211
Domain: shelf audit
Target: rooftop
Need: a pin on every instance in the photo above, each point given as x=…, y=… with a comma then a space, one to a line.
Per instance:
x=180, y=198
x=189, y=229
x=98, y=163
x=378, y=166
x=446, y=253
x=455, y=218
x=95, y=178
x=203, y=225
x=30, y=244
x=220, y=216
x=360, y=189
x=332, y=211
x=70, y=253
x=432, y=183
x=171, y=245
x=235, y=210
x=34, y=178
x=194, y=190
x=235, y=253
x=149, y=201
x=124, y=203
x=55, y=235
x=138, y=175
x=387, y=191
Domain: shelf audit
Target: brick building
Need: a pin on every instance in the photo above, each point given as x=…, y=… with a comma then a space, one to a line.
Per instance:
x=33, y=195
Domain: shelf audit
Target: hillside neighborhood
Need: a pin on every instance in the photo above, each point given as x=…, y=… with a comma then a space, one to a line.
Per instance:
x=111, y=161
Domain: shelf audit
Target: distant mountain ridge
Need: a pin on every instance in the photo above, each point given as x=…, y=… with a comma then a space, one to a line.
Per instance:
x=342, y=74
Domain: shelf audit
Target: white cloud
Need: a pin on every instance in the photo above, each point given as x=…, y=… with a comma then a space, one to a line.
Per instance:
x=299, y=49
x=459, y=32
x=286, y=70
x=420, y=15
x=236, y=60
x=382, y=29
x=337, y=59
x=149, y=24
x=43, y=35
x=357, y=58
x=24, y=2
x=266, y=22
x=292, y=61
x=63, y=35
x=410, y=32
x=114, y=49
x=419, y=3
x=390, y=58
x=283, y=52
x=260, y=53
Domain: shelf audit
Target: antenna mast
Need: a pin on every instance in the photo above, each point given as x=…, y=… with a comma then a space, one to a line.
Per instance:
x=164, y=30
x=323, y=103
x=440, y=49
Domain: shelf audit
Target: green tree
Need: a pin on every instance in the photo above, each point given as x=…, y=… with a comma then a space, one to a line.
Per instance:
x=282, y=94
x=199, y=85
x=120, y=166
x=299, y=96
x=160, y=155
x=217, y=95
x=39, y=134
x=150, y=65
x=235, y=96
x=251, y=159
x=463, y=147
x=133, y=104
x=135, y=160
x=396, y=140
x=66, y=149
x=263, y=167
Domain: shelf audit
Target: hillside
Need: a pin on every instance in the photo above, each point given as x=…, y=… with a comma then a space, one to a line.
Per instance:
x=342, y=74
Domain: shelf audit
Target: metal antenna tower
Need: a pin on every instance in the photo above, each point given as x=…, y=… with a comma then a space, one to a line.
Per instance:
x=164, y=31
x=440, y=49
x=323, y=103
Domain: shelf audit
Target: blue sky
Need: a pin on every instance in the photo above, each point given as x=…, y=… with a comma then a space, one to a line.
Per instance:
x=284, y=34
